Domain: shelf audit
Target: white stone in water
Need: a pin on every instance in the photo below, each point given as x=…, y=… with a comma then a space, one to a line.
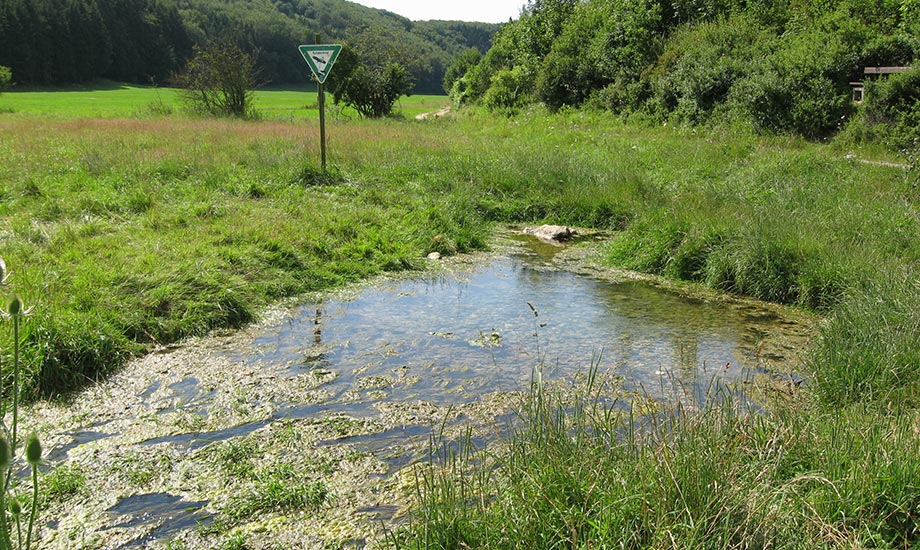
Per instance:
x=552, y=232
x=434, y=256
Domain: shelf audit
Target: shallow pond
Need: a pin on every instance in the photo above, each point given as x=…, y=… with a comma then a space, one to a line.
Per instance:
x=361, y=379
x=451, y=338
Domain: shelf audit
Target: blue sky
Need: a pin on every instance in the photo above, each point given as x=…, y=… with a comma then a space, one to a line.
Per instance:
x=487, y=11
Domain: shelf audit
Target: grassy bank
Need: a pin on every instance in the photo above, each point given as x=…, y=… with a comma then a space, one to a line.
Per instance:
x=577, y=474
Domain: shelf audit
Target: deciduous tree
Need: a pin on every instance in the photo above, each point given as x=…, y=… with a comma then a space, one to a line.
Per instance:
x=219, y=80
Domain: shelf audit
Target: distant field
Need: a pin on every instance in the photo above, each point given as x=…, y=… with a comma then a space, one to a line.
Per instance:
x=116, y=100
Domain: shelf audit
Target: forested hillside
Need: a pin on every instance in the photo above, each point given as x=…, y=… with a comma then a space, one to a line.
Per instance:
x=66, y=41
x=779, y=66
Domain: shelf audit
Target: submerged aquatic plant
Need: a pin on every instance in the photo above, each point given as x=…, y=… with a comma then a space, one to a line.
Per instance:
x=10, y=506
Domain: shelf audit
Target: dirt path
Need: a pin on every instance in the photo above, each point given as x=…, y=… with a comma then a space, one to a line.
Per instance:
x=434, y=114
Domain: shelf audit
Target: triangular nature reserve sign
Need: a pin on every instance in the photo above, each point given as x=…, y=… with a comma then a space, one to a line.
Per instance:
x=320, y=58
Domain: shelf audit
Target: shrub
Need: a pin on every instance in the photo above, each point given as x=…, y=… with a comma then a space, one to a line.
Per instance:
x=509, y=90
x=602, y=43
x=369, y=76
x=894, y=102
x=219, y=80
x=6, y=78
x=701, y=63
x=460, y=66
x=801, y=88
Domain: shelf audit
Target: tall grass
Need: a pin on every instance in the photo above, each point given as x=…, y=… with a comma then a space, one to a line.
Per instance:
x=869, y=351
x=577, y=473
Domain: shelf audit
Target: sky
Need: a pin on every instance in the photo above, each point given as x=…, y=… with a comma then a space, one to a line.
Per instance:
x=485, y=11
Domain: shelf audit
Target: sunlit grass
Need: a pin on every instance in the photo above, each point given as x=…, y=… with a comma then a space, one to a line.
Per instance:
x=117, y=100
x=581, y=472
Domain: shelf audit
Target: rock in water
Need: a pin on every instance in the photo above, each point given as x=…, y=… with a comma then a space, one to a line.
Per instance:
x=558, y=233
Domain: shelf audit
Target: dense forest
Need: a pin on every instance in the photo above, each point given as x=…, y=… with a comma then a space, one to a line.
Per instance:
x=67, y=41
x=779, y=66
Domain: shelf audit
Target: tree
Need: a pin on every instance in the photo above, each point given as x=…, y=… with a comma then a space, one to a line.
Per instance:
x=219, y=80
x=6, y=78
x=371, y=74
x=460, y=65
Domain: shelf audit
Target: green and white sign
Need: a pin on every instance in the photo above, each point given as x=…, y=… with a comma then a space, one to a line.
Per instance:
x=320, y=58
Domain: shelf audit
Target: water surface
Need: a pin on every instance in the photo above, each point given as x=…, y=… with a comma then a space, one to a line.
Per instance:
x=450, y=338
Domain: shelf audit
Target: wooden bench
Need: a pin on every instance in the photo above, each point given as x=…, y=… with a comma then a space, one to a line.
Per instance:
x=859, y=88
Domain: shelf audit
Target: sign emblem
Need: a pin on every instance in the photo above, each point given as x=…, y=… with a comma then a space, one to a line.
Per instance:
x=320, y=58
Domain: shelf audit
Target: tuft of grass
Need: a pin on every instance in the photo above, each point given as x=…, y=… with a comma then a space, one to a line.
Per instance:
x=278, y=488
x=64, y=481
x=869, y=350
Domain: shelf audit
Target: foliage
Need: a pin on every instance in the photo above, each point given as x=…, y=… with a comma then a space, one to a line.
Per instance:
x=6, y=79
x=508, y=90
x=702, y=63
x=55, y=41
x=143, y=40
x=893, y=106
x=775, y=67
x=459, y=66
x=512, y=63
x=602, y=44
x=371, y=74
x=219, y=80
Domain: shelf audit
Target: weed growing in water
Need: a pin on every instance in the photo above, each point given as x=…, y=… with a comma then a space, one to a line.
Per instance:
x=276, y=489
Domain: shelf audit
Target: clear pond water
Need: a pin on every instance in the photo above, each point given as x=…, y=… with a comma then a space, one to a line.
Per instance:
x=450, y=338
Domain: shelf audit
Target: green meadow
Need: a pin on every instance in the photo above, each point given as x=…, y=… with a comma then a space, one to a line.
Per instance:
x=113, y=100
x=128, y=226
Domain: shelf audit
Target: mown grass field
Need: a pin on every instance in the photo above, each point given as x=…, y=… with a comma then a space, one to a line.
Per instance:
x=130, y=231
x=118, y=100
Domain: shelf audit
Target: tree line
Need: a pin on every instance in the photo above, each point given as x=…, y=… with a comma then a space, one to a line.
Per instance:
x=144, y=41
x=779, y=66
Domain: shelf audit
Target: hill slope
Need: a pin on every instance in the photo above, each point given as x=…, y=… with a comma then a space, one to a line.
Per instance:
x=65, y=41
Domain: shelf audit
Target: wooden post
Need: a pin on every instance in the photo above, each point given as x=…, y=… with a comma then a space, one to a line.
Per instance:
x=322, y=124
x=321, y=101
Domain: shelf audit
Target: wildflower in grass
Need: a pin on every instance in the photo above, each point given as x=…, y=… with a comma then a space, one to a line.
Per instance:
x=14, y=306
x=3, y=272
x=33, y=450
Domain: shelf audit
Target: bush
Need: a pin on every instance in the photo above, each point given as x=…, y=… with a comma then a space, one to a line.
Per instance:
x=509, y=90
x=602, y=43
x=801, y=88
x=6, y=78
x=370, y=76
x=894, y=102
x=219, y=80
x=701, y=63
x=460, y=66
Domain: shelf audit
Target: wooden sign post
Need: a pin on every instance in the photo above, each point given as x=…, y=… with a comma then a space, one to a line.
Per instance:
x=320, y=58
